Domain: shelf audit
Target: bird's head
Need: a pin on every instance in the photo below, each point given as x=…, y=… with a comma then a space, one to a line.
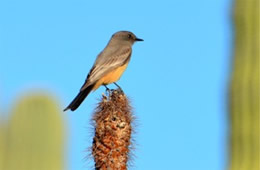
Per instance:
x=125, y=36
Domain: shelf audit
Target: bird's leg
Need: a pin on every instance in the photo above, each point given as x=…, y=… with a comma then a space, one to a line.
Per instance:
x=120, y=89
x=107, y=89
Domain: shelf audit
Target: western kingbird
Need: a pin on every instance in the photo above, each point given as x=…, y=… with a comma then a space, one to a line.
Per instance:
x=108, y=67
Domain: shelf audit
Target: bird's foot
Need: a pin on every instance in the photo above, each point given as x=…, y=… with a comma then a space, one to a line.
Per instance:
x=119, y=88
x=108, y=91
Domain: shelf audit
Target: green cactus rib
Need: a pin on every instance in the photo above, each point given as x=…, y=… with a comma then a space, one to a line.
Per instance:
x=35, y=135
x=244, y=88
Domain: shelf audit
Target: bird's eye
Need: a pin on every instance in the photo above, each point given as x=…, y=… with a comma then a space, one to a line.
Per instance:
x=129, y=36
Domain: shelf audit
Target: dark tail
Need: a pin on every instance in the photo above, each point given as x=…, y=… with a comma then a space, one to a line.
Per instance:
x=79, y=99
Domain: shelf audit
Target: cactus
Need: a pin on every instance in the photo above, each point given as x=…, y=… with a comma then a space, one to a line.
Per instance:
x=113, y=128
x=35, y=135
x=244, y=88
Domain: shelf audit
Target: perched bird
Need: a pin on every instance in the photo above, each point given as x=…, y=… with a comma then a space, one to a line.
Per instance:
x=108, y=67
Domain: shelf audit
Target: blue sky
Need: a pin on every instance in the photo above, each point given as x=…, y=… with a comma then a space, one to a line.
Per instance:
x=176, y=79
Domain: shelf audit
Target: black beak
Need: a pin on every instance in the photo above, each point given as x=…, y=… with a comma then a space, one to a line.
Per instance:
x=138, y=39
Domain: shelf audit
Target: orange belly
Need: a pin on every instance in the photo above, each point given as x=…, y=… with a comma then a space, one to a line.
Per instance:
x=111, y=77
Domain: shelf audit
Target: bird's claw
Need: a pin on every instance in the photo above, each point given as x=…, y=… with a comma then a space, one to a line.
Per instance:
x=108, y=91
x=119, y=88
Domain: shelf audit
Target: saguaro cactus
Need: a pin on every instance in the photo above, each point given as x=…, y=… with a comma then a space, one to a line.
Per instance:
x=112, y=122
x=35, y=136
x=244, y=89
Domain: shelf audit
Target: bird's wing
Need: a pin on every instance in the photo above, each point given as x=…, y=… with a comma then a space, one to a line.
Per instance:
x=107, y=61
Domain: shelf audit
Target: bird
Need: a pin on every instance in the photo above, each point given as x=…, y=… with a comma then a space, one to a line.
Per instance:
x=108, y=66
